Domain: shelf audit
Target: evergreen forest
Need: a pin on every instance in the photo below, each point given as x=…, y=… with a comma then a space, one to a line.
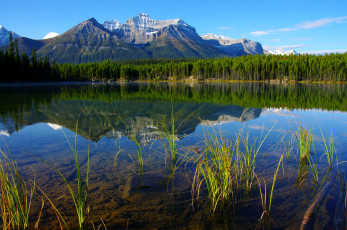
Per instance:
x=16, y=67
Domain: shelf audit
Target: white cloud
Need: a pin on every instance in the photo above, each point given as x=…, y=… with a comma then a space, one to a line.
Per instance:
x=256, y=127
x=292, y=46
x=225, y=27
x=268, y=47
x=259, y=33
x=303, y=25
x=284, y=47
x=276, y=40
x=266, y=32
x=320, y=22
x=286, y=29
x=338, y=43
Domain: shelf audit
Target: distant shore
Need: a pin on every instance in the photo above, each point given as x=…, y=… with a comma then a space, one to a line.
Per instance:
x=279, y=82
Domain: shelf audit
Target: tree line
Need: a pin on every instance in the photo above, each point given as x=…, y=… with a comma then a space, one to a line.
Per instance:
x=18, y=67
x=250, y=95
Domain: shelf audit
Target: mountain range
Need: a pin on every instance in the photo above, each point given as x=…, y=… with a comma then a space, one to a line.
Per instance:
x=141, y=119
x=139, y=37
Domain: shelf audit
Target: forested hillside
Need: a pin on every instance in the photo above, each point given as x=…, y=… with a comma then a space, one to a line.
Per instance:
x=17, y=67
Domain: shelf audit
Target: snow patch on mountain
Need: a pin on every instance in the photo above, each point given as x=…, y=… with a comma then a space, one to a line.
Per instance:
x=282, y=52
x=145, y=23
x=142, y=29
x=231, y=46
x=112, y=25
x=51, y=35
x=223, y=40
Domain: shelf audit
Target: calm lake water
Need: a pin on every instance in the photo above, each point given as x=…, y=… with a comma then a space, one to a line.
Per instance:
x=113, y=121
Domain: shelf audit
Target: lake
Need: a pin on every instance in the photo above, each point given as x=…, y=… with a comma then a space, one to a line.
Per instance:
x=149, y=145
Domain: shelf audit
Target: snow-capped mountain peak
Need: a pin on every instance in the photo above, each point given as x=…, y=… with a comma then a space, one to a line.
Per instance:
x=282, y=52
x=50, y=35
x=143, y=23
x=4, y=36
x=142, y=29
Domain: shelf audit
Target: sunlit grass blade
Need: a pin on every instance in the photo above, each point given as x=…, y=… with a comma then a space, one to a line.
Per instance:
x=265, y=218
x=139, y=151
x=273, y=182
x=80, y=199
x=60, y=218
x=16, y=197
x=329, y=149
x=215, y=168
x=304, y=140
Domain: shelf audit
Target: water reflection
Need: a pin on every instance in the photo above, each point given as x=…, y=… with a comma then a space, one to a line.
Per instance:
x=37, y=120
x=141, y=108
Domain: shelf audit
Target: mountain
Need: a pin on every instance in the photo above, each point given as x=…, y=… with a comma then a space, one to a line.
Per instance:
x=139, y=37
x=50, y=35
x=89, y=41
x=281, y=52
x=4, y=36
x=142, y=29
x=27, y=45
x=171, y=38
x=143, y=119
x=233, y=47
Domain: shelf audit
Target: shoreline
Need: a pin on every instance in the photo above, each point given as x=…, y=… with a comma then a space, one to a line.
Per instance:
x=274, y=82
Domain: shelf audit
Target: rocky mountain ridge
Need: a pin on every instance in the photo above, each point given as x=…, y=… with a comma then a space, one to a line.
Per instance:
x=234, y=47
x=142, y=29
x=139, y=37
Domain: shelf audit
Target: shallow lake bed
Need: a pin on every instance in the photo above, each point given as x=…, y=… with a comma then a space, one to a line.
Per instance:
x=167, y=126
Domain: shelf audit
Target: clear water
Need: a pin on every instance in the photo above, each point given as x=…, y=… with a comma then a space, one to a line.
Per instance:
x=41, y=121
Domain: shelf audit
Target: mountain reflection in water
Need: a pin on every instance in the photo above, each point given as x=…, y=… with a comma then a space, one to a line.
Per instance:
x=111, y=116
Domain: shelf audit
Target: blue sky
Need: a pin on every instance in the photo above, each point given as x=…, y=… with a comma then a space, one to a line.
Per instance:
x=303, y=25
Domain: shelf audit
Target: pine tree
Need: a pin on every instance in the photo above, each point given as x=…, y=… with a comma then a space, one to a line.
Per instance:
x=16, y=49
x=11, y=46
x=33, y=58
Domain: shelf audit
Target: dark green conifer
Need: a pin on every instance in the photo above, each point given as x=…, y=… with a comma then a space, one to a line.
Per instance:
x=11, y=46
